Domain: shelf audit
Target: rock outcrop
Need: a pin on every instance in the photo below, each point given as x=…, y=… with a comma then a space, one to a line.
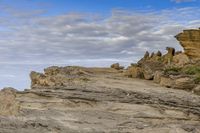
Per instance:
x=8, y=104
x=89, y=100
x=105, y=102
x=117, y=66
x=190, y=41
x=169, y=69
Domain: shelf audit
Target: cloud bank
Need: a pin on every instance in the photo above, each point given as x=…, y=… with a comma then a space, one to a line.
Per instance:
x=33, y=37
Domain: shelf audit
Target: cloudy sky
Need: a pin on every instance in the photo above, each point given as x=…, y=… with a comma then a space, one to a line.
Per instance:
x=39, y=33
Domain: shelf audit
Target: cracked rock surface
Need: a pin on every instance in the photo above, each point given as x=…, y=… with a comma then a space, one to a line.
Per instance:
x=97, y=100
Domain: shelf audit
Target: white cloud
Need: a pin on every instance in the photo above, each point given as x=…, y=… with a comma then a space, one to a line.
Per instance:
x=43, y=39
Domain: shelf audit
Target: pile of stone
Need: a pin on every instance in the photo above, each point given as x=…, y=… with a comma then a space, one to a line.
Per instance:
x=176, y=69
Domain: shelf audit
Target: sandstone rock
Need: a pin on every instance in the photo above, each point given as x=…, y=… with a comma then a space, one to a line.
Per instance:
x=190, y=41
x=196, y=90
x=149, y=68
x=53, y=70
x=146, y=55
x=159, y=54
x=109, y=102
x=167, y=58
x=157, y=76
x=184, y=83
x=178, y=52
x=8, y=104
x=39, y=79
x=134, y=72
x=145, y=58
x=181, y=59
x=166, y=81
x=58, y=76
x=152, y=55
x=117, y=66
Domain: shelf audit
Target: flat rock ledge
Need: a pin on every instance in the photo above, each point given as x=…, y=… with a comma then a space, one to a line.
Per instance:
x=97, y=100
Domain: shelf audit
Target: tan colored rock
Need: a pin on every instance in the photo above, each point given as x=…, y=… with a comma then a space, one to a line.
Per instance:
x=166, y=81
x=196, y=90
x=8, y=104
x=146, y=55
x=190, y=41
x=167, y=58
x=181, y=59
x=178, y=52
x=152, y=55
x=150, y=67
x=134, y=72
x=159, y=54
x=157, y=76
x=184, y=83
x=117, y=66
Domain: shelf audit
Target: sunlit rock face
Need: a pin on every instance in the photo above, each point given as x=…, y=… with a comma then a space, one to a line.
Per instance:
x=190, y=41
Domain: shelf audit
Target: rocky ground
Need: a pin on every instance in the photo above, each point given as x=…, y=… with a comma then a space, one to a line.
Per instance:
x=97, y=100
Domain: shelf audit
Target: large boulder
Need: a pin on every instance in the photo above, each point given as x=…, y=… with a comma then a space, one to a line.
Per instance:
x=167, y=81
x=134, y=72
x=184, y=83
x=150, y=67
x=181, y=60
x=190, y=41
x=157, y=76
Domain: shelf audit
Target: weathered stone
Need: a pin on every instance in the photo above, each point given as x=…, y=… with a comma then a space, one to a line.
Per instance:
x=157, y=76
x=178, y=52
x=8, y=104
x=196, y=90
x=184, y=83
x=159, y=54
x=117, y=66
x=180, y=60
x=146, y=55
x=149, y=68
x=167, y=58
x=109, y=102
x=134, y=72
x=190, y=41
x=152, y=55
x=166, y=81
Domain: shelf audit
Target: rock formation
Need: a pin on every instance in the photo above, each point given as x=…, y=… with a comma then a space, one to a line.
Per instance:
x=169, y=69
x=190, y=41
x=117, y=66
x=88, y=100
x=91, y=100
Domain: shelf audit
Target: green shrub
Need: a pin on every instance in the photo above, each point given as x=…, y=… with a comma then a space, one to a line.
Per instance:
x=192, y=70
x=197, y=79
x=172, y=70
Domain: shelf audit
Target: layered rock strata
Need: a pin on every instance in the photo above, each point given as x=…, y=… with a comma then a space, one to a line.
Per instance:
x=94, y=100
x=190, y=41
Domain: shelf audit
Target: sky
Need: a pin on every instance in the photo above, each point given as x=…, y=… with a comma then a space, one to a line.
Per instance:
x=35, y=34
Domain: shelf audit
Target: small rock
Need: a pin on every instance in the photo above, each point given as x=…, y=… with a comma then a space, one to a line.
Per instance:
x=117, y=66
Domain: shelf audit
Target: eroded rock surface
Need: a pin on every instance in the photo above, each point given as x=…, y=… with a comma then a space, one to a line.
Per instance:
x=105, y=102
x=190, y=41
